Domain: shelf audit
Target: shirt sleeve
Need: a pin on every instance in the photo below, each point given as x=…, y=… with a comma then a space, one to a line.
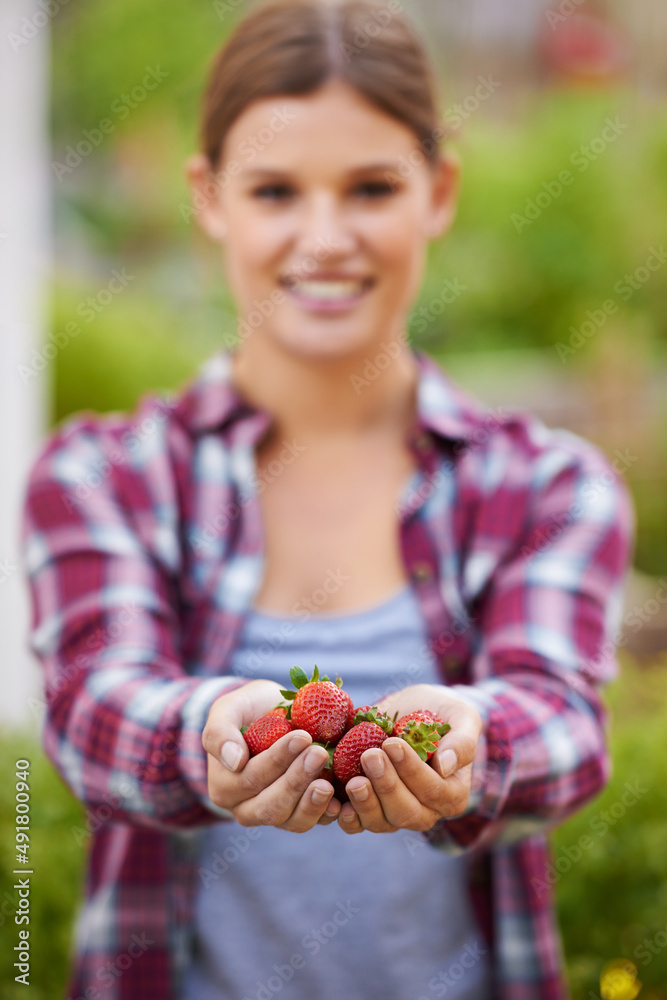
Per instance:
x=549, y=627
x=123, y=719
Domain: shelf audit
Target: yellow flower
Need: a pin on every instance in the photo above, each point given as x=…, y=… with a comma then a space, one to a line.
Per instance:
x=618, y=980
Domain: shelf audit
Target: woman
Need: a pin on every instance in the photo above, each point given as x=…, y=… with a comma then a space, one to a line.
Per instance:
x=323, y=493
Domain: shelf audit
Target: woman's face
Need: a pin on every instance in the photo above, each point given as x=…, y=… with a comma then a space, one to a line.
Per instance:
x=325, y=220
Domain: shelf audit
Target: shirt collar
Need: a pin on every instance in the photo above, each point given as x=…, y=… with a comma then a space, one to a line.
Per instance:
x=212, y=402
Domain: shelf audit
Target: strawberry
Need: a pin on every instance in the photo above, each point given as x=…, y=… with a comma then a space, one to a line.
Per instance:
x=319, y=705
x=362, y=736
x=422, y=730
x=371, y=713
x=263, y=732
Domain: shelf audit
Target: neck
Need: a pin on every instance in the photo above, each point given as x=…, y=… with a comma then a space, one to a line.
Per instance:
x=329, y=398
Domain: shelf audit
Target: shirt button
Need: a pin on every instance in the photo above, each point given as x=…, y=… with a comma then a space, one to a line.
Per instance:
x=423, y=442
x=422, y=571
x=453, y=665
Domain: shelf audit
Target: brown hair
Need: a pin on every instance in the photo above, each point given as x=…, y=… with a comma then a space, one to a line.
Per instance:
x=295, y=46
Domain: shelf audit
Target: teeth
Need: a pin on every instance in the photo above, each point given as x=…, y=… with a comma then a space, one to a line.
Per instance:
x=329, y=290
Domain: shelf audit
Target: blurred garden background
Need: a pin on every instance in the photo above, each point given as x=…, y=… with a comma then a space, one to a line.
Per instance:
x=560, y=308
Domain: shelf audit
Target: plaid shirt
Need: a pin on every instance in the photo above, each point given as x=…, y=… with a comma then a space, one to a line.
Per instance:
x=143, y=548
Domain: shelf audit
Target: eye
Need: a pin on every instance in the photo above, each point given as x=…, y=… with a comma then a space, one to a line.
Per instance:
x=273, y=192
x=375, y=189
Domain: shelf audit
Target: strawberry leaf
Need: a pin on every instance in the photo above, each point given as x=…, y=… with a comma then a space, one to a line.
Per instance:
x=243, y=729
x=298, y=677
x=291, y=695
x=316, y=674
x=373, y=714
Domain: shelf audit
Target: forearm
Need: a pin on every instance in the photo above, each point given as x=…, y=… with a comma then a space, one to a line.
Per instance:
x=541, y=756
x=123, y=738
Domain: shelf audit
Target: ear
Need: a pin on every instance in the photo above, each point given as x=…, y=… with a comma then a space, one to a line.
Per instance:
x=205, y=196
x=444, y=194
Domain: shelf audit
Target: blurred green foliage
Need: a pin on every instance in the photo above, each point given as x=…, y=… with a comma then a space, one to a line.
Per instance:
x=57, y=860
x=608, y=902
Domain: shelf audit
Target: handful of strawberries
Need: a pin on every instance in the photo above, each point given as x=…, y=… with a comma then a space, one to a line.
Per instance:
x=325, y=710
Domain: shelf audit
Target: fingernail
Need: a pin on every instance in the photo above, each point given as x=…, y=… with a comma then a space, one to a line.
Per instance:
x=396, y=752
x=297, y=744
x=314, y=761
x=360, y=793
x=320, y=796
x=230, y=755
x=374, y=765
x=447, y=761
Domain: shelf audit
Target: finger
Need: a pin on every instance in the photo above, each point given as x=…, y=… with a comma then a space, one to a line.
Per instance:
x=263, y=770
x=311, y=807
x=368, y=806
x=331, y=812
x=439, y=797
x=400, y=806
x=274, y=805
x=458, y=747
x=348, y=819
x=222, y=737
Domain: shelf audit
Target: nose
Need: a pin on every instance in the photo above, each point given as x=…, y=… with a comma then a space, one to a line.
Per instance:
x=325, y=235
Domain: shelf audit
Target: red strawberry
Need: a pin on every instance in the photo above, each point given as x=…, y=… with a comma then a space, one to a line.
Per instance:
x=279, y=710
x=319, y=706
x=263, y=732
x=348, y=751
x=371, y=713
x=422, y=730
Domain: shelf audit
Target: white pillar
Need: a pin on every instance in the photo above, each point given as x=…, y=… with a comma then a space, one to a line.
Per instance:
x=25, y=240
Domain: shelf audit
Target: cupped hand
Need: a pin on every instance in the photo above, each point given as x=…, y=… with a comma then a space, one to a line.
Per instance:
x=278, y=787
x=401, y=791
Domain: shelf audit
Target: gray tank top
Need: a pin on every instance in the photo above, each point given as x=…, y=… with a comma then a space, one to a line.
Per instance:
x=327, y=915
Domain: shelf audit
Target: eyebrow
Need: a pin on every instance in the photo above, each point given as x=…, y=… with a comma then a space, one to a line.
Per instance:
x=380, y=167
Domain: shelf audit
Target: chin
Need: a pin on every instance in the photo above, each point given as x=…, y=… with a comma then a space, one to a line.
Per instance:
x=316, y=342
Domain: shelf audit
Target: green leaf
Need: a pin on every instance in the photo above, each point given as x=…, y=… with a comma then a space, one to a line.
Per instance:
x=288, y=694
x=316, y=674
x=243, y=729
x=298, y=677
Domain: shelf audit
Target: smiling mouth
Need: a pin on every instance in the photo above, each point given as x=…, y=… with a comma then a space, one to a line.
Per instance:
x=327, y=290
